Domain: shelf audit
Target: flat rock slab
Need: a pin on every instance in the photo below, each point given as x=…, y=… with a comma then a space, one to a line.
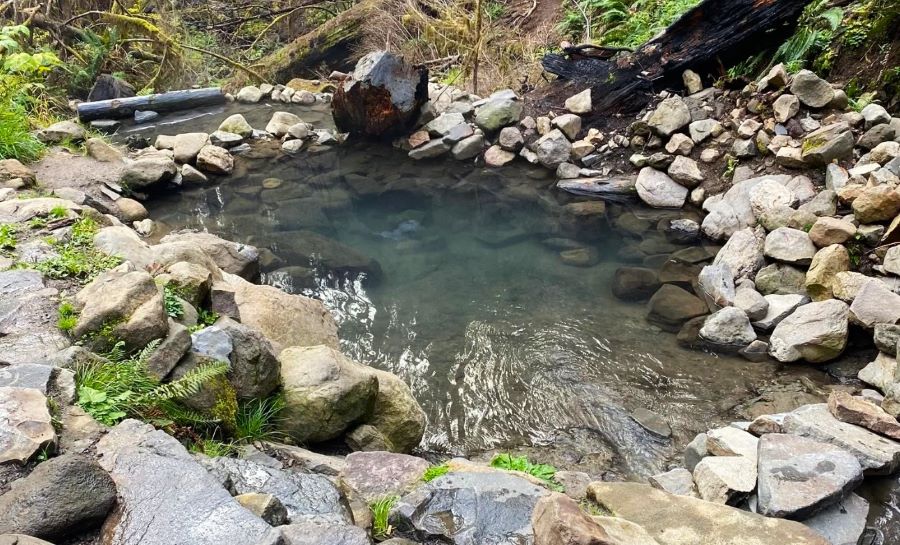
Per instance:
x=304, y=496
x=876, y=454
x=468, y=508
x=166, y=498
x=680, y=520
x=799, y=477
x=374, y=475
x=25, y=424
x=319, y=533
x=843, y=522
x=26, y=375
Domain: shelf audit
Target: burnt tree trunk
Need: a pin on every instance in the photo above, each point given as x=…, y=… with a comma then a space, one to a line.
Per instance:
x=712, y=34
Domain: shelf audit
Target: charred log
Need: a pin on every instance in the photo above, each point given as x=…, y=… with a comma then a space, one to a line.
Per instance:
x=712, y=33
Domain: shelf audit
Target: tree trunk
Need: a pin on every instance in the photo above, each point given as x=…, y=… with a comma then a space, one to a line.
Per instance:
x=713, y=34
x=330, y=43
x=165, y=102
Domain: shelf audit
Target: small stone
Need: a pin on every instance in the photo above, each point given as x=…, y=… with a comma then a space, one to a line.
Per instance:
x=680, y=144
x=495, y=156
x=875, y=114
x=827, y=262
x=730, y=441
x=678, y=481
x=652, y=422
x=658, y=190
x=695, y=451
x=705, y=128
x=744, y=148
x=265, y=506
x=779, y=307
x=791, y=246
x=685, y=171
x=249, y=95
x=875, y=304
x=858, y=411
x=670, y=115
x=785, y=107
x=580, y=103
x=827, y=231
x=876, y=204
x=692, y=82
x=812, y=90
x=510, y=139
x=215, y=160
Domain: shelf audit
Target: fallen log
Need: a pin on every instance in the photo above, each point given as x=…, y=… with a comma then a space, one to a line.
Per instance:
x=164, y=102
x=712, y=34
x=331, y=44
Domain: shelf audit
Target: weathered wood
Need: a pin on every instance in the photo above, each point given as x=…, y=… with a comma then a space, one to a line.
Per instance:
x=713, y=33
x=331, y=44
x=164, y=102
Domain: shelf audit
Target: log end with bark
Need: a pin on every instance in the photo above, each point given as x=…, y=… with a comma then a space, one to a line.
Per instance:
x=382, y=98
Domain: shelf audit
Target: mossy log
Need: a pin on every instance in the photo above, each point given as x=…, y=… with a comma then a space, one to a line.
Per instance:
x=713, y=34
x=331, y=44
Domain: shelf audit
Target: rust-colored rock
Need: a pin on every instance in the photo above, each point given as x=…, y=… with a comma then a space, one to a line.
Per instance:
x=382, y=98
x=855, y=410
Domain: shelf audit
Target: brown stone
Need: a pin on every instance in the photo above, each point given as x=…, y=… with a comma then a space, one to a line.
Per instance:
x=558, y=520
x=876, y=204
x=856, y=410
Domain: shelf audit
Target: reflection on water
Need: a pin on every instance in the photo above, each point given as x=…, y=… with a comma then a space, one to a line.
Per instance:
x=450, y=276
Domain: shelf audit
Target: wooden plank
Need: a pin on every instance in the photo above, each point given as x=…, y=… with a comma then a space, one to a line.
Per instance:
x=164, y=102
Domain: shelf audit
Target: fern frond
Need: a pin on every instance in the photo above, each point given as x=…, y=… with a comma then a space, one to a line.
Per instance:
x=143, y=356
x=187, y=385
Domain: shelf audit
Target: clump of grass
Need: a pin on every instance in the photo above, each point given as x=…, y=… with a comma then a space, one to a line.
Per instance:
x=58, y=212
x=543, y=472
x=214, y=448
x=434, y=472
x=16, y=140
x=257, y=419
x=77, y=257
x=118, y=387
x=68, y=318
x=381, y=510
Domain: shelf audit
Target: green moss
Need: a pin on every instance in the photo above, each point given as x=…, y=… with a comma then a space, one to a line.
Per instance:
x=434, y=472
x=811, y=144
x=226, y=407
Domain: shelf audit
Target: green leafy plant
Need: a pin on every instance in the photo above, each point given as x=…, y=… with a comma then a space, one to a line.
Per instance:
x=257, y=419
x=7, y=237
x=67, y=317
x=77, y=257
x=381, y=510
x=543, y=472
x=118, y=387
x=205, y=318
x=172, y=302
x=434, y=472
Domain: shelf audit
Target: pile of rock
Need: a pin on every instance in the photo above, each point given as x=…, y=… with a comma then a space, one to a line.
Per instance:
x=788, y=279
x=297, y=91
x=803, y=465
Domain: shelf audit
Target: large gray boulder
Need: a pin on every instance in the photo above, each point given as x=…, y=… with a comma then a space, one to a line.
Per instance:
x=382, y=97
x=188, y=145
x=305, y=496
x=658, y=190
x=60, y=498
x=799, y=476
x=25, y=424
x=743, y=253
x=149, y=170
x=284, y=319
x=397, y=415
x=791, y=246
x=875, y=304
x=671, y=115
x=121, y=306
x=732, y=212
x=725, y=479
x=489, y=507
x=325, y=393
x=816, y=333
x=553, y=148
x=876, y=454
x=826, y=144
x=231, y=257
x=498, y=112
x=728, y=329
x=812, y=90
x=165, y=497
x=716, y=285
x=681, y=520
x=255, y=371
